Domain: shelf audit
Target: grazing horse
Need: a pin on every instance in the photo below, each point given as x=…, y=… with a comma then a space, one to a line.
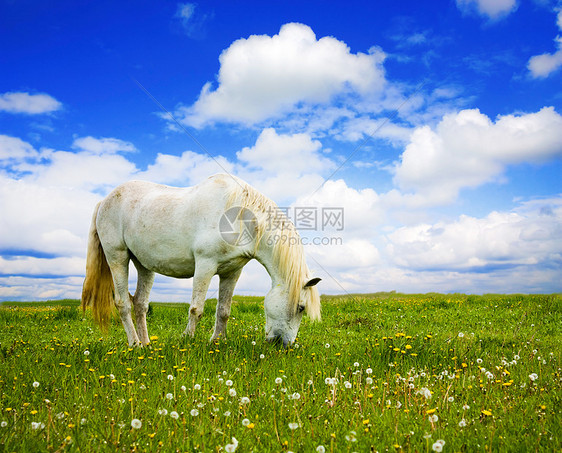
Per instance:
x=212, y=228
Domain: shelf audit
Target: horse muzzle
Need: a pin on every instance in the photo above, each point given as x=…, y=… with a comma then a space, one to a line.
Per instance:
x=278, y=339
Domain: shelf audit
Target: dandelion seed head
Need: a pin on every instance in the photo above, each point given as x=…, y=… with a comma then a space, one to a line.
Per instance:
x=169, y=396
x=194, y=412
x=293, y=426
x=36, y=384
x=136, y=423
x=174, y=415
x=196, y=387
x=438, y=445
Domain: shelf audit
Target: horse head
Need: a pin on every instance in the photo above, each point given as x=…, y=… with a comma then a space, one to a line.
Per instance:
x=283, y=317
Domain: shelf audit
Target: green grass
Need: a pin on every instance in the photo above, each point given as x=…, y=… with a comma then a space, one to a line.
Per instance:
x=354, y=382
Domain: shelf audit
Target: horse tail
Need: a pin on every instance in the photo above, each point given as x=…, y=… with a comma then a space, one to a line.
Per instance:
x=98, y=291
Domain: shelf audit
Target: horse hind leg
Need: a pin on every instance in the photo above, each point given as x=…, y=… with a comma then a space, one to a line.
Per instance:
x=140, y=300
x=119, y=265
x=204, y=271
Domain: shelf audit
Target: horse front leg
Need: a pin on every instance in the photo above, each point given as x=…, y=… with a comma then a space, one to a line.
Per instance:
x=204, y=271
x=226, y=289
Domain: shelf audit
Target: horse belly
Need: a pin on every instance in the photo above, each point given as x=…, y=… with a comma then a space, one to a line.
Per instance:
x=164, y=261
x=161, y=252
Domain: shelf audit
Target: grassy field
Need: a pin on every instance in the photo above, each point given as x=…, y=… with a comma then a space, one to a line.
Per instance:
x=383, y=372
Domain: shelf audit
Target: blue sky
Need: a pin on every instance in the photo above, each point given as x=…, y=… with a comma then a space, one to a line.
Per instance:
x=435, y=126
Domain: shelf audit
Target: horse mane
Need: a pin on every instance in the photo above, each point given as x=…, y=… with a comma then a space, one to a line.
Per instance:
x=288, y=252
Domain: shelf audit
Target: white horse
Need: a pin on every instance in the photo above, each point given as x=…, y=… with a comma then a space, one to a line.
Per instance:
x=215, y=227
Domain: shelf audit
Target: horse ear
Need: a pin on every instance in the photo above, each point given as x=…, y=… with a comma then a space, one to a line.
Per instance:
x=312, y=282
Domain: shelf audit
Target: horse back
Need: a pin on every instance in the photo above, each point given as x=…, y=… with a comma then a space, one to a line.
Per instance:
x=163, y=227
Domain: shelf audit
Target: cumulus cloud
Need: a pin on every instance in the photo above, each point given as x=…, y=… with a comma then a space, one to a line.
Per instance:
x=545, y=64
x=263, y=76
x=30, y=104
x=363, y=209
x=14, y=149
x=285, y=153
x=492, y=9
x=467, y=149
x=525, y=237
x=186, y=169
x=284, y=166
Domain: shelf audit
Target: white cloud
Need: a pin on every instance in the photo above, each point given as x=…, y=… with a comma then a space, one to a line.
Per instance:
x=545, y=64
x=31, y=104
x=15, y=149
x=102, y=145
x=296, y=154
x=362, y=209
x=185, y=11
x=283, y=166
x=45, y=219
x=187, y=169
x=351, y=254
x=526, y=237
x=263, y=76
x=191, y=19
x=493, y=9
x=467, y=149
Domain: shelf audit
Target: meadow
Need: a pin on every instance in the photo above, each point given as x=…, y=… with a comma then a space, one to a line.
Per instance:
x=381, y=372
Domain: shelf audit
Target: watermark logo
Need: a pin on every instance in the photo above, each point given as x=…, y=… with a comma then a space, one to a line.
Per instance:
x=238, y=226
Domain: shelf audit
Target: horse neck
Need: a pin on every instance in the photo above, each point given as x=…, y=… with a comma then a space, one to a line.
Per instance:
x=265, y=256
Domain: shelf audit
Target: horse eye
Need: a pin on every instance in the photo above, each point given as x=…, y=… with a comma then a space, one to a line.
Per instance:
x=300, y=308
